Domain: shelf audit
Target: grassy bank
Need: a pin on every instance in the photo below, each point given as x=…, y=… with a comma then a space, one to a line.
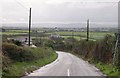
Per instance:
x=107, y=69
x=18, y=60
x=21, y=68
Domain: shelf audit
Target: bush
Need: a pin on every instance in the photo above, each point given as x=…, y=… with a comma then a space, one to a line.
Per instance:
x=13, y=54
x=38, y=42
x=11, y=50
x=105, y=48
x=70, y=43
x=17, y=53
x=97, y=50
x=18, y=43
x=85, y=48
x=119, y=56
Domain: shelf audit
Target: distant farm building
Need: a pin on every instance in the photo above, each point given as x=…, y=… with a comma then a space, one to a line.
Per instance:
x=24, y=41
x=55, y=36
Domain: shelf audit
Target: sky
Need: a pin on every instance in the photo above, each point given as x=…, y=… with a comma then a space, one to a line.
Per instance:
x=59, y=11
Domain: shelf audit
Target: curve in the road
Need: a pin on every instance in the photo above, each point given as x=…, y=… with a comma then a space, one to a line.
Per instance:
x=67, y=65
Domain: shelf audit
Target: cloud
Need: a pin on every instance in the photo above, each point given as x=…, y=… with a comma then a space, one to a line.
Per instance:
x=60, y=10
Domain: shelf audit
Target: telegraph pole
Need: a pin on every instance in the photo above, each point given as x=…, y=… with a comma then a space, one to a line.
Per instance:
x=29, y=26
x=72, y=39
x=116, y=51
x=72, y=33
x=88, y=30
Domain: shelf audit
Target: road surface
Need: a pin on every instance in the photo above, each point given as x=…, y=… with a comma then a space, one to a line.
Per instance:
x=67, y=65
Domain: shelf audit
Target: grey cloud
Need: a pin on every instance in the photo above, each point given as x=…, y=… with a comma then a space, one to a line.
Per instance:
x=68, y=10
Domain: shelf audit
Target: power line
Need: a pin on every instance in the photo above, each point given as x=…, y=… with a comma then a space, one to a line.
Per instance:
x=21, y=5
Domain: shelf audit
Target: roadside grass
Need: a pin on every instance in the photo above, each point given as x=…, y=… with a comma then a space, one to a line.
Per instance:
x=17, y=61
x=20, y=68
x=108, y=69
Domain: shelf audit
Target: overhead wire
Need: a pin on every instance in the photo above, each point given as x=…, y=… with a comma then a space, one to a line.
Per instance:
x=21, y=5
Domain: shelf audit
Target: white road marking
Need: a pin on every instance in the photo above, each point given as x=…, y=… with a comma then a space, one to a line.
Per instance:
x=68, y=72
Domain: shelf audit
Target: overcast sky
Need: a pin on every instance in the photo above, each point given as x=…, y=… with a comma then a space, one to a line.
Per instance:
x=59, y=11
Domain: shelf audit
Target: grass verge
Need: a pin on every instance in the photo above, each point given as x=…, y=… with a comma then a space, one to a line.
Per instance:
x=107, y=69
x=20, y=68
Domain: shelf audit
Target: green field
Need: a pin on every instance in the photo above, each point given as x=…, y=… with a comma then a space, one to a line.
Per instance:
x=19, y=31
x=93, y=35
x=14, y=32
x=64, y=34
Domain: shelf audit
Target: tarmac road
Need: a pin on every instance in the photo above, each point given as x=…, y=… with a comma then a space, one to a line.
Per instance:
x=67, y=65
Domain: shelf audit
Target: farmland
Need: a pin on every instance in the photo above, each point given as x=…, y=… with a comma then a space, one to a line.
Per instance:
x=65, y=34
x=15, y=32
x=82, y=35
x=77, y=45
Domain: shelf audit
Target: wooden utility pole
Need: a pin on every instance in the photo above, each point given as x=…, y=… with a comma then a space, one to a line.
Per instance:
x=88, y=30
x=29, y=26
x=72, y=33
x=72, y=39
x=116, y=51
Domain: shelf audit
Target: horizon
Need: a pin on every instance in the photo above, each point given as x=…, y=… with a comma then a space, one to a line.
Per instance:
x=61, y=25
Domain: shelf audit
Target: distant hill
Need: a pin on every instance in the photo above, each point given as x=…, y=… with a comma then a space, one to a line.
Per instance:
x=59, y=25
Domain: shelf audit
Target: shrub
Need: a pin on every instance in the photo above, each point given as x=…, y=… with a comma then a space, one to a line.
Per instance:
x=97, y=50
x=38, y=42
x=70, y=43
x=17, y=42
x=17, y=53
x=118, y=56
x=85, y=48
x=11, y=50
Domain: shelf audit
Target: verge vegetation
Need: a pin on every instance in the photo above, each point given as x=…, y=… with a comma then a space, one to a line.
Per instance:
x=18, y=60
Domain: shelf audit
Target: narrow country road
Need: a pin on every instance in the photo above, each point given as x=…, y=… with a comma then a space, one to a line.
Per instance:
x=67, y=65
